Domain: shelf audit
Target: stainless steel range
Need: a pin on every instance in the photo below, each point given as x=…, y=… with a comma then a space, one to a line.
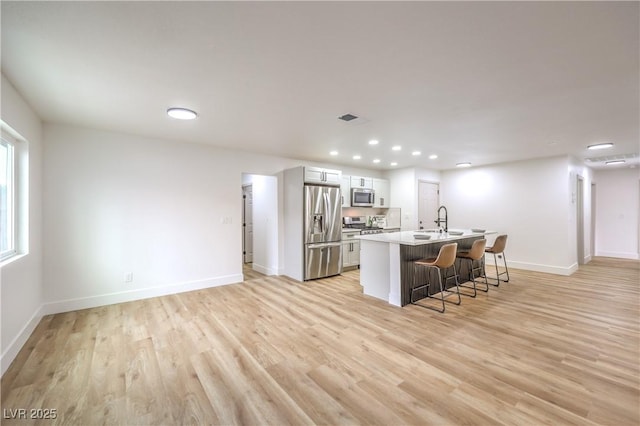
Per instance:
x=360, y=222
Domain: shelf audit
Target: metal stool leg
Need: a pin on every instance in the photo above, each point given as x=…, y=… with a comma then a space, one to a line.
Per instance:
x=483, y=274
x=473, y=280
x=427, y=285
x=454, y=277
x=504, y=258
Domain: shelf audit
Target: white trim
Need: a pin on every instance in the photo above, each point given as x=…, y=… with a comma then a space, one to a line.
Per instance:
x=18, y=342
x=619, y=255
x=139, y=294
x=550, y=269
x=9, y=133
x=107, y=299
x=264, y=270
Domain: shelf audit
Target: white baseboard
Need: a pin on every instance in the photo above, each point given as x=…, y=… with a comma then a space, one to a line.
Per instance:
x=633, y=256
x=106, y=299
x=550, y=269
x=18, y=342
x=139, y=294
x=264, y=269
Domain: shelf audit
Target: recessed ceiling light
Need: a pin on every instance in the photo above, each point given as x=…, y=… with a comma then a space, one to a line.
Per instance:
x=394, y=164
x=373, y=142
x=182, y=113
x=377, y=160
x=396, y=148
x=600, y=145
x=463, y=165
x=612, y=162
x=433, y=157
x=356, y=157
x=333, y=153
x=416, y=153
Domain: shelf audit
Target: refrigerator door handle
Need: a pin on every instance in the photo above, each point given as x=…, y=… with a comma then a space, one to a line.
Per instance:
x=321, y=245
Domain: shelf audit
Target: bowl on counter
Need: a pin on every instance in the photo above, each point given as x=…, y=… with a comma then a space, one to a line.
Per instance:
x=418, y=235
x=455, y=233
x=478, y=230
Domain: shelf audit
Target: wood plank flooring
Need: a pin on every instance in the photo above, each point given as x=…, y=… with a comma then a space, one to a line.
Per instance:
x=541, y=349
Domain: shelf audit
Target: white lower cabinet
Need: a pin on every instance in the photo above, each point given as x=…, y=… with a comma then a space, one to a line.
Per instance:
x=350, y=250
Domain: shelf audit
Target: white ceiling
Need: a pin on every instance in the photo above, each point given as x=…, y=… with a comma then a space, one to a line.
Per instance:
x=484, y=82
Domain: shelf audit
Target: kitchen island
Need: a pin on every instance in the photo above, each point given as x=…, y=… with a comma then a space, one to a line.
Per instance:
x=386, y=260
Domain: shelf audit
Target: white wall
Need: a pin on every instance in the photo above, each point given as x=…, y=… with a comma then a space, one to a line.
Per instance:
x=21, y=278
x=527, y=200
x=617, y=207
x=168, y=212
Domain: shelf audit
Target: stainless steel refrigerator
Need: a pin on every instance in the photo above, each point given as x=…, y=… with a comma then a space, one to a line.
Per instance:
x=322, y=231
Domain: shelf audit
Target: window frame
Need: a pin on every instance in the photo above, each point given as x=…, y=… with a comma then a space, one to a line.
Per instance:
x=11, y=196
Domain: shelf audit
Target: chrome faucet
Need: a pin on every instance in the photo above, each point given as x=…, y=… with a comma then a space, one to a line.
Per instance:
x=440, y=221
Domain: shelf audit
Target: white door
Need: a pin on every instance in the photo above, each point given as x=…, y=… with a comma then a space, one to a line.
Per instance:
x=428, y=203
x=247, y=223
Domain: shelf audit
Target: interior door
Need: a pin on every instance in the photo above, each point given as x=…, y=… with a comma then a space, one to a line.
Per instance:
x=428, y=203
x=247, y=223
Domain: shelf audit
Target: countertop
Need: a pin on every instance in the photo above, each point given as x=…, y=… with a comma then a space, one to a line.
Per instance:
x=358, y=229
x=407, y=237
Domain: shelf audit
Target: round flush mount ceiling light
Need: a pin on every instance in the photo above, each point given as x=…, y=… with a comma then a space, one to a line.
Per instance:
x=433, y=157
x=463, y=165
x=376, y=160
x=373, y=142
x=396, y=148
x=416, y=153
x=333, y=153
x=182, y=113
x=613, y=162
x=600, y=145
x=356, y=157
x=394, y=164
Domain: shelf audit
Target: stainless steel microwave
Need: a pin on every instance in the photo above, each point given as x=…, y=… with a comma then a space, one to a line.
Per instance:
x=362, y=197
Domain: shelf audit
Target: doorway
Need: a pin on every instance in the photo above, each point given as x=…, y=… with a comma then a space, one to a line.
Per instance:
x=592, y=237
x=247, y=223
x=580, y=218
x=260, y=235
x=428, y=203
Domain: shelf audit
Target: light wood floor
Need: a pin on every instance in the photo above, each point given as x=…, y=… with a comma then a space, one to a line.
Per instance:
x=542, y=349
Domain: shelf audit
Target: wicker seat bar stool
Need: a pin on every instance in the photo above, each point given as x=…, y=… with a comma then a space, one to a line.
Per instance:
x=445, y=260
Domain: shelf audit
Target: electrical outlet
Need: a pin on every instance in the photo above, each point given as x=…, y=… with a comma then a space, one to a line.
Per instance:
x=128, y=277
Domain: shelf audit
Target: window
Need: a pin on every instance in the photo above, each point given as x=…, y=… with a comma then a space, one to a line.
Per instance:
x=7, y=200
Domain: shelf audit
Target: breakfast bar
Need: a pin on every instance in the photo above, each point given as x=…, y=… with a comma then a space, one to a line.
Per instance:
x=386, y=260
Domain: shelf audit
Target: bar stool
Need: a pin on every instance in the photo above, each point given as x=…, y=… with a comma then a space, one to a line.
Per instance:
x=498, y=249
x=445, y=260
x=475, y=254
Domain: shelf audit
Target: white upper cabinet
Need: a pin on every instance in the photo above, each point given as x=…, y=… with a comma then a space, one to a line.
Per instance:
x=382, y=189
x=361, y=182
x=322, y=176
x=345, y=190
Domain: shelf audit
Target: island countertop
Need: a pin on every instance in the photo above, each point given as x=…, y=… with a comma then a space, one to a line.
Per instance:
x=386, y=260
x=409, y=237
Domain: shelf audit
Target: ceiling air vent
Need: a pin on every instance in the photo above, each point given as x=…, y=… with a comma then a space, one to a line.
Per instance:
x=348, y=117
